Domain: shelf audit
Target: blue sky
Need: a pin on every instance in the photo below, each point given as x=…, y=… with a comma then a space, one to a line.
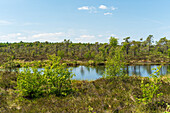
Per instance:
x=83, y=20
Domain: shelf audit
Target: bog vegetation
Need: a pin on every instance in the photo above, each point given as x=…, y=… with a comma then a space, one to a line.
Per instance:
x=134, y=51
x=53, y=90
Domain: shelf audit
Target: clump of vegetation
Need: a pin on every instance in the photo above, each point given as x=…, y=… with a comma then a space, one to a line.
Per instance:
x=54, y=79
x=91, y=62
x=169, y=52
x=150, y=90
x=115, y=65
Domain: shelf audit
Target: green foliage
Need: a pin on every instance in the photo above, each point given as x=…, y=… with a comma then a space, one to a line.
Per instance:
x=54, y=79
x=150, y=89
x=85, y=51
x=60, y=53
x=169, y=52
x=59, y=77
x=31, y=84
x=99, y=57
x=87, y=55
x=115, y=64
x=10, y=64
x=91, y=62
x=113, y=41
x=167, y=108
x=91, y=110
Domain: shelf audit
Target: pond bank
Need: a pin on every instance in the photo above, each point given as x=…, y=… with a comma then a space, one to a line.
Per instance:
x=93, y=63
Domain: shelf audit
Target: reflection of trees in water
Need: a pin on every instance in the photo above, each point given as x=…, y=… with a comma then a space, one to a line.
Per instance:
x=137, y=70
x=100, y=70
x=127, y=69
x=82, y=70
x=134, y=70
x=161, y=70
x=87, y=68
x=148, y=69
x=92, y=68
x=167, y=68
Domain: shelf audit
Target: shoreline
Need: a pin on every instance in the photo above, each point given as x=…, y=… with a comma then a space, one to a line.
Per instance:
x=97, y=63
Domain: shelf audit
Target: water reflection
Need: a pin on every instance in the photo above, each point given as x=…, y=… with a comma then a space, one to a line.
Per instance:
x=93, y=73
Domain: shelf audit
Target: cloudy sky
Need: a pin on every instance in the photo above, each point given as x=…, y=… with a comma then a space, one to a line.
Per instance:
x=83, y=20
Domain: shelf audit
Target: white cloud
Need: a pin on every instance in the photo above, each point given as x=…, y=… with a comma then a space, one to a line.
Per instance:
x=113, y=8
x=5, y=22
x=84, y=8
x=22, y=38
x=52, y=37
x=113, y=35
x=48, y=35
x=102, y=7
x=42, y=37
x=74, y=35
x=108, y=13
x=91, y=9
x=29, y=23
x=86, y=38
x=9, y=37
x=100, y=35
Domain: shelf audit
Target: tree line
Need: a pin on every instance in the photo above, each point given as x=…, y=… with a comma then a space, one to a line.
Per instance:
x=131, y=49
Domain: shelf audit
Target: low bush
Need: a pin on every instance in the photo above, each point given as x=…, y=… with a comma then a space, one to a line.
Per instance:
x=54, y=79
x=115, y=65
x=150, y=91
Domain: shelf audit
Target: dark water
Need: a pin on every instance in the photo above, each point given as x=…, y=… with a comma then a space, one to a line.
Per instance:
x=93, y=73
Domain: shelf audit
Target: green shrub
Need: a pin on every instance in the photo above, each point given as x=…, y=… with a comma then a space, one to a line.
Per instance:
x=150, y=89
x=59, y=77
x=55, y=78
x=60, y=53
x=169, y=52
x=115, y=65
x=91, y=62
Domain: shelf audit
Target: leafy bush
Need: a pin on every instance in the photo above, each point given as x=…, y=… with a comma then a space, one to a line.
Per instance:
x=91, y=62
x=115, y=64
x=150, y=89
x=60, y=54
x=99, y=57
x=59, y=77
x=55, y=78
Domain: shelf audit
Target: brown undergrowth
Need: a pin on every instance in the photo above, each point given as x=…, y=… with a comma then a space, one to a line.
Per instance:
x=112, y=95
